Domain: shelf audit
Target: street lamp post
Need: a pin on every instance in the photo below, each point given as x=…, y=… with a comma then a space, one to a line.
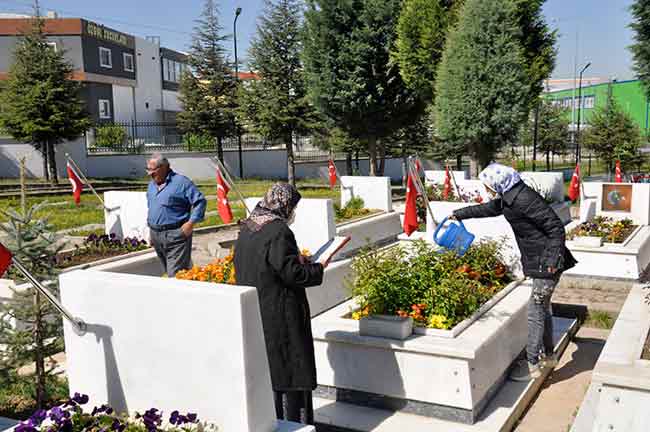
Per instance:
x=579, y=106
x=239, y=149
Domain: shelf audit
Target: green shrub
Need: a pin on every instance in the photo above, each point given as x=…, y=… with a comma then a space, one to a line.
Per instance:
x=353, y=209
x=18, y=394
x=438, y=289
x=110, y=136
x=198, y=142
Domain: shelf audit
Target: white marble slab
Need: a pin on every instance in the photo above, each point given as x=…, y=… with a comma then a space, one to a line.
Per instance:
x=314, y=223
x=126, y=214
x=640, y=211
x=438, y=176
x=172, y=344
x=548, y=184
x=381, y=228
x=374, y=191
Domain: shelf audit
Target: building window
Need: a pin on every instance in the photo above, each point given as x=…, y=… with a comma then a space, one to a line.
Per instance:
x=173, y=70
x=177, y=69
x=52, y=45
x=104, y=109
x=105, y=59
x=128, y=62
x=588, y=101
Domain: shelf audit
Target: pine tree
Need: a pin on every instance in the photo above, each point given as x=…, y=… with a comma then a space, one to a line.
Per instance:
x=613, y=135
x=208, y=92
x=30, y=327
x=39, y=103
x=350, y=77
x=481, y=88
x=276, y=106
x=641, y=48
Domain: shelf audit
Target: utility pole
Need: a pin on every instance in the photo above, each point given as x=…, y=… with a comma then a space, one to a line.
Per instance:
x=579, y=109
x=239, y=149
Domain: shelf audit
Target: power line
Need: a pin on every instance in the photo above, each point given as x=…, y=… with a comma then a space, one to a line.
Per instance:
x=114, y=20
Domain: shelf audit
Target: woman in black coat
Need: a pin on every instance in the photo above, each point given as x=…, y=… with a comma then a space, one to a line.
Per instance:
x=540, y=236
x=267, y=257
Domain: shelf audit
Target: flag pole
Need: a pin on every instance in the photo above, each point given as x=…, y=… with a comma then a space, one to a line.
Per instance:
x=85, y=179
x=421, y=188
x=453, y=182
x=229, y=179
x=78, y=324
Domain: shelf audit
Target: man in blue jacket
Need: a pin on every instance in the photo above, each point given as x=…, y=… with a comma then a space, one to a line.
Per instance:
x=175, y=205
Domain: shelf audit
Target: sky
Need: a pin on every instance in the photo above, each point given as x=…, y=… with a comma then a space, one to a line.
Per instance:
x=598, y=26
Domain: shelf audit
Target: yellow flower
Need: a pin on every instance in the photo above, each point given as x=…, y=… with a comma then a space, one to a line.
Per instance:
x=438, y=322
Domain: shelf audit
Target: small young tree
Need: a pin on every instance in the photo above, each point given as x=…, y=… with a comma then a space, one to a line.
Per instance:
x=482, y=85
x=276, y=105
x=30, y=327
x=208, y=92
x=39, y=103
x=552, y=130
x=613, y=135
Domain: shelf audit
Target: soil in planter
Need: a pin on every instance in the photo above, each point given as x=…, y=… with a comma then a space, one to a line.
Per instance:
x=69, y=260
x=645, y=354
x=603, y=227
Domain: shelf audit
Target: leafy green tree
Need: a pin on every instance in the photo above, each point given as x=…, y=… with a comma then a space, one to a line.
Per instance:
x=208, y=92
x=641, y=47
x=350, y=76
x=276, y=106
x=30, y=327
x=613, y=135
x=421, y=32
x=39, y=103
x=552, y=130
x=482, y=83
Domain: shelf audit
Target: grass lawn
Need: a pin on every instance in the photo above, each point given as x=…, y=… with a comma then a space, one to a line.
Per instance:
x=68, y=215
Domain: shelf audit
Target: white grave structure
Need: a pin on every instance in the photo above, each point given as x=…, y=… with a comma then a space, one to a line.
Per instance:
x=170, y=344
x=314, y=222
x=126, y=214
x=374, y=191
x=640, y=211
x=439, y=176
x=548, y=184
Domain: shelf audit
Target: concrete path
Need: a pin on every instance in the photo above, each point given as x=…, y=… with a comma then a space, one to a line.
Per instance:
x=557, y=403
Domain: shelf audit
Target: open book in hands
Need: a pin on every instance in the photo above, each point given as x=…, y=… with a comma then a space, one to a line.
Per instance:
x=326, y=252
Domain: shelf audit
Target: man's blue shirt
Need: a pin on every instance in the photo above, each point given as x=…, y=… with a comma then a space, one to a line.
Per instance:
x=178, y=201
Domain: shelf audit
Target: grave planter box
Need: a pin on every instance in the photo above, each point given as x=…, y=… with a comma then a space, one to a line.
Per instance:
x=588, y=241
x=386, y=326
x=619, y=393
x=378, y=229
x=452, y=378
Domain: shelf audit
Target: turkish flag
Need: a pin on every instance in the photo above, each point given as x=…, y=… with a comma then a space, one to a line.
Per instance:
x=223, y=206
x=619, y=176
x=418, y=166
x=411, y=212
x=5, y=259
x=447, y=188
x=76, y=183
x=331, y=170
x=574, y=186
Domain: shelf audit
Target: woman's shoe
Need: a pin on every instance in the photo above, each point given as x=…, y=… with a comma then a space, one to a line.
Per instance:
x=525, y=371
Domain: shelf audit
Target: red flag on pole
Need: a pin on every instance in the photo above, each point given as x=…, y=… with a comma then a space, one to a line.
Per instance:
x=574, y=186
x=619, y=176
x=331, y=169
x=447, y=188
x=5, y=259
x=418, y=165
x=76, y=183
x=410, y=213
x=223, y=206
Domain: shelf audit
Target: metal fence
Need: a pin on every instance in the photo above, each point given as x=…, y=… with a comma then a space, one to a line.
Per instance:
x=148, y=137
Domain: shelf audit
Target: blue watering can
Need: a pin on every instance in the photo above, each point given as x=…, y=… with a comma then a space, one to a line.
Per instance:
x=455, y=237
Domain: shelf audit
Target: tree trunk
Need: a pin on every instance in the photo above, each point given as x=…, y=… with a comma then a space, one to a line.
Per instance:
x=44, y=155
x=548, y=161
x=220, y=150
x=348, y=163
x=382, y=158
x=372, y=156
x=54, y=176
x=459, y=162
x=291, y=167
x=39, y=357
x=356, y=161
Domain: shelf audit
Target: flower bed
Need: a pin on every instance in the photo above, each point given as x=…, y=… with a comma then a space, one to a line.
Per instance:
x=437, y=289
x=609, y=229
x=99, y=247
x=435, y=192
x=221, y=270
x=70, y=416
x=354, y=209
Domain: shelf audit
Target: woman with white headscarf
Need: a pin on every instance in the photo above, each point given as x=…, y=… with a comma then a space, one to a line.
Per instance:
x=540, y=236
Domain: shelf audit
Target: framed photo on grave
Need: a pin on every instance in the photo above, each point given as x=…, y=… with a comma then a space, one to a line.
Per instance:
x=617, y=198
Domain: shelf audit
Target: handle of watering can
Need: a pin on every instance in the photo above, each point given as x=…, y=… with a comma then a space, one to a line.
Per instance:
x=435, y=233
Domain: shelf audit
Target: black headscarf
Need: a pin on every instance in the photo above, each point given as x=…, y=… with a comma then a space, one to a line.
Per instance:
x=278, y=204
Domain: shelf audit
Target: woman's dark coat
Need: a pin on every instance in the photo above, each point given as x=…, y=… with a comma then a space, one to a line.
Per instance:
x=269, y=260
x=538, y=230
